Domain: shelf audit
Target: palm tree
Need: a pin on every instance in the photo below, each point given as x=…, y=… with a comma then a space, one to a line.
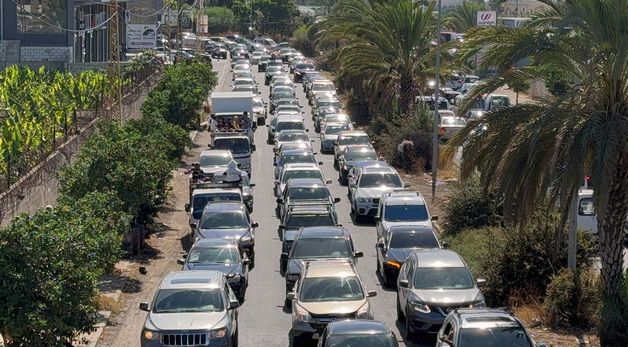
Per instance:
x=464, y=17
x=386, y=45
x=549, y=146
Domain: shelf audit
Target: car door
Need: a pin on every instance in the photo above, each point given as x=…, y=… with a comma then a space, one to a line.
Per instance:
x=380, y=248
x=406, y=273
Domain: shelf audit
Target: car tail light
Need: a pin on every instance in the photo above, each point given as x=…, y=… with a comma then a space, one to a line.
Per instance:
x=441, y=131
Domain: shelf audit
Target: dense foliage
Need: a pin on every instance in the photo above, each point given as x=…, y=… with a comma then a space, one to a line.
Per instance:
x=181, y=92
x=50, y=261
x=37, y=108
x=470, y=208
x=219, y=19
x=275, y=17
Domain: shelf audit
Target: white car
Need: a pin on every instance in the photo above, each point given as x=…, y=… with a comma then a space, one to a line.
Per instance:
x=296, y=171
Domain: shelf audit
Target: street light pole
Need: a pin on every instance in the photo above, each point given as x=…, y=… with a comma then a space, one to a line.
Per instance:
x=436, y=104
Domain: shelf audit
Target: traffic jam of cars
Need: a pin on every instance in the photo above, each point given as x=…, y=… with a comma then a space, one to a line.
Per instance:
x=329, y=303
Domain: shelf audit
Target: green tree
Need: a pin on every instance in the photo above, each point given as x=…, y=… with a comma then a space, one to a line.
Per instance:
x=50, y=263
x=219, y=19
x=519, y=86
x=530, y=149
x=464, y=17
x=384, y=46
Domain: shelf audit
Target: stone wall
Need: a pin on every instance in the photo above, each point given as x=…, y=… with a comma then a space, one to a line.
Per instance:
x=41, y=54
x=40, y=187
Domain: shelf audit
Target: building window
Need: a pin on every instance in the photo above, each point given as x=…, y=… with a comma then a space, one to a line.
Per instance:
x=41, y=16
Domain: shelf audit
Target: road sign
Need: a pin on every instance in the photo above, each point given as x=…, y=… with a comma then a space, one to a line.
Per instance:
x=141, y=36
x=486, y=18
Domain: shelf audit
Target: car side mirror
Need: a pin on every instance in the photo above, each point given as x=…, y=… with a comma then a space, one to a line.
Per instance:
x=233, y=304
x=253, y=148
x=144, y=306
x=377, y=219
x=434, y=218
x=380, y=244
x=446, y=245
x=404, y=284
x=291, y=296
x=246, y=261
x=193, y=225
x=406, y=185
x=480, y=281
x=279, y=200
x=371, y=293
x=187, y=207
x=328, y=181
x=336, y=200
x=254, y=225
x=251, y=185
x=358, y=254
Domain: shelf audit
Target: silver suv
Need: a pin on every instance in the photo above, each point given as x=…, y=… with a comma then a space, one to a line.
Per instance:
x=402, y=207
x=327, y=291
x=191, y=308
x=431, y=284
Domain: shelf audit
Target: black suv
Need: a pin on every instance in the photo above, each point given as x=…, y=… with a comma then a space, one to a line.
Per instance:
x=483, y=327
x=317, y=243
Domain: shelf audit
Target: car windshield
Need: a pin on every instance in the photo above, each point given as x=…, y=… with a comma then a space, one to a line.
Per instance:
x=331, y=289
x=235, y=145
x=362, y=340
x=301, y=174
x=360, y=155
x=453, y=121
x=289, y=137
x=214, y=160
x=188, y=300
x=328, y=104
x=406, y=213
x=442, y=278
x=377, y=180
x=244, y=82
x=290, y=126
x=297, y=221
x=335, y=118
x=306, y=248
x=494, y=337
x=354, y=140
x=201, y=200
x=200, y=255
x=335, y=129
x=305, y=66
x=318, y=193
x=323, y=87
x=225, y=220
x=297, y=158
x=413, y=240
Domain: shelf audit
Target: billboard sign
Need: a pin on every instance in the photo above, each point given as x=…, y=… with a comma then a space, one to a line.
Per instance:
x=486, y=18
x=142, y=36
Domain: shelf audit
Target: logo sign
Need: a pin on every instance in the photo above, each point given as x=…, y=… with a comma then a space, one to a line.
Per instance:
x=201, y=26
x=141, y=36
x=486, y=18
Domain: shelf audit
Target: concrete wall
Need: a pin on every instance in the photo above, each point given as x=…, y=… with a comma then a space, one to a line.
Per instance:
x=40, y=187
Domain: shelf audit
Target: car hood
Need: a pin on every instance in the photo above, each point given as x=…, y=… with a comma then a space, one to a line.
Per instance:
x=451, y=297
x=213, y=169
x=375, y=192
x=330, y=137
x=332, y=307
x=233, y=268
x=185, y=321
x=222, y=233
x=387, y=224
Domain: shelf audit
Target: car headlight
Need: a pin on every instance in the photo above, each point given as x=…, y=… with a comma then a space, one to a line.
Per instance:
x=218, y=333
x=364, y=199
x=420, y=307
x=301, y=315
x=150, y=335
x=363, y=313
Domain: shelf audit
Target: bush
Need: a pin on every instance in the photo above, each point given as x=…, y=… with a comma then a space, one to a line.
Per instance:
x=302, y=40
x=572, y=299
x=405, y=141
x=50, y=263
x=181, y=92
x=514, y=259
x=470, y=208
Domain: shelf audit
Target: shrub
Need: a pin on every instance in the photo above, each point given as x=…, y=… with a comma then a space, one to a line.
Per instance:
x=181, y=92
x=172, y=139
x=219, y=19
x=470, y=208
x=302, y=40
x=49, y=265
x=405, y=141
x=572, y=299
x=523, y=258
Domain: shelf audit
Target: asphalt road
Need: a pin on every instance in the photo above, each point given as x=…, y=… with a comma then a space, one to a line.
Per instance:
x=263, y=321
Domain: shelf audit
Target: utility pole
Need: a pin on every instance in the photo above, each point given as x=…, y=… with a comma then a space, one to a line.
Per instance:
x=572, y=241
x=114, y=70
x=436, y=104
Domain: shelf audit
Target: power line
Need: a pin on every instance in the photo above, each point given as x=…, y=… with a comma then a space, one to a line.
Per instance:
x=38, y=15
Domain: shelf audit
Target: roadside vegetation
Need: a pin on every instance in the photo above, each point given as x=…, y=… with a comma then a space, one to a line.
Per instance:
x=51, y=261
